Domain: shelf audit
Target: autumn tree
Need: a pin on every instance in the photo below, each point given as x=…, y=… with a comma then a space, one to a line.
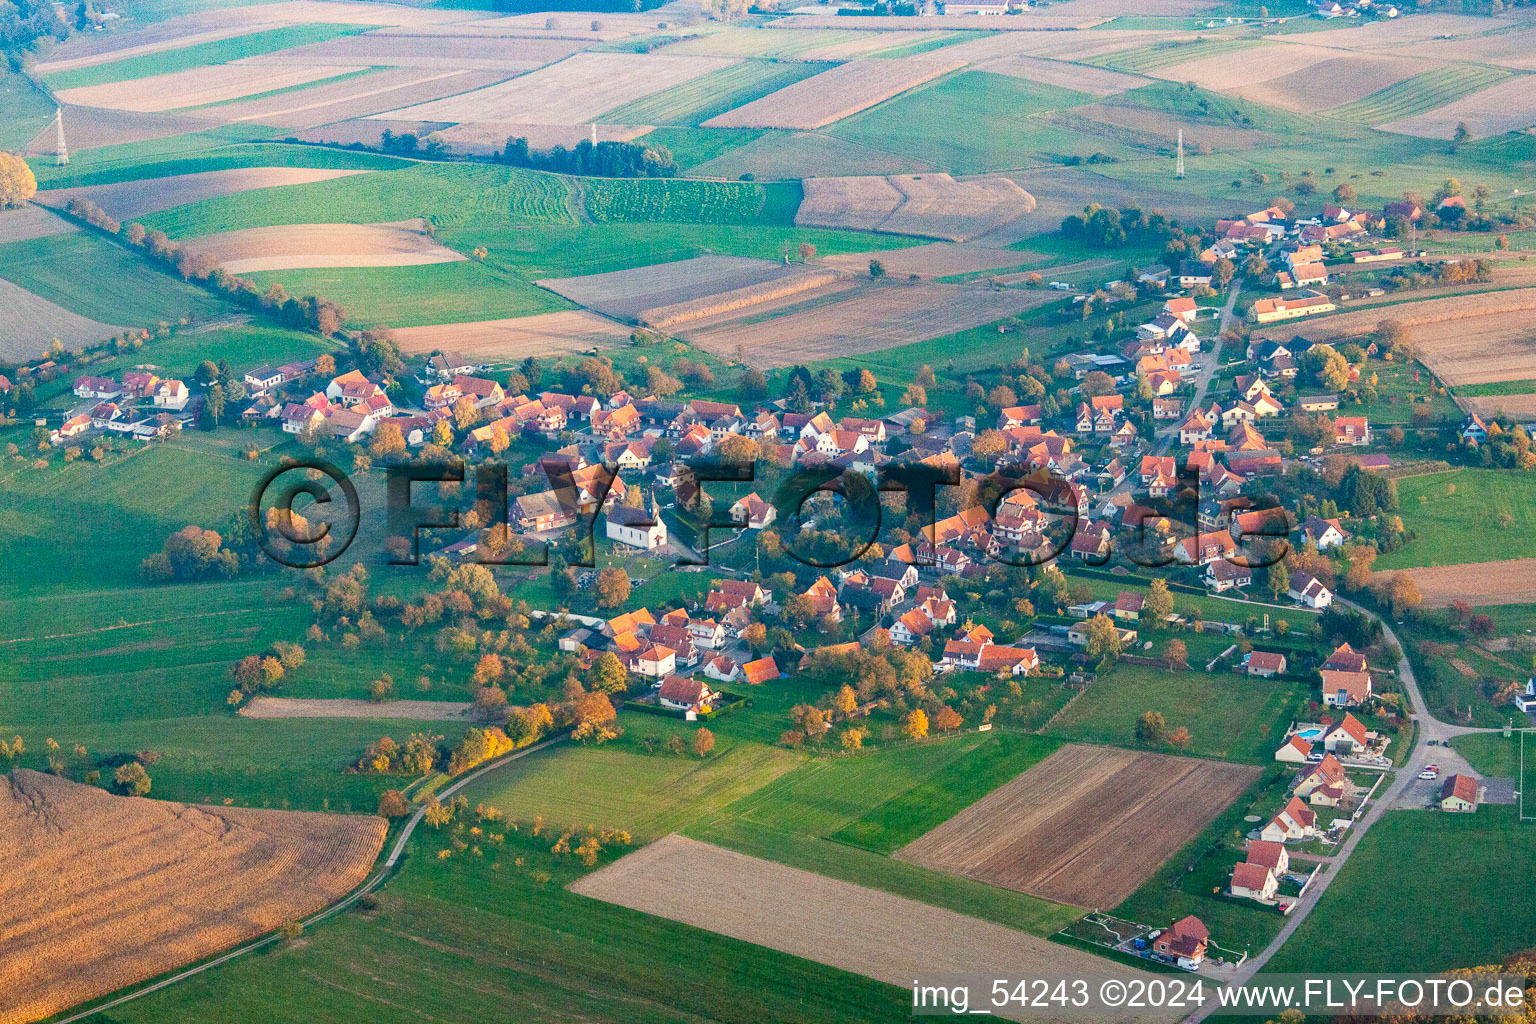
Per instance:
x=807, y=252
x=489, y=670
x=1177, y=653
x=607, y=674
x=845, y=701
x=1104, y=643
x=1149, y=728
x=1179, y=739
x=703, y=743
x=132, y=778
x=1158, y=604
x=755, y=636
x=1278, y=580
x=593, y=716
x=946, y=719
x=988, y=445
x=914, y=724
x=392, y=804
x=17, y=183
x=612, y=587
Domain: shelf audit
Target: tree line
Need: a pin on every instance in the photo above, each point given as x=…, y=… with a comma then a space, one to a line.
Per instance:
x=607, y=159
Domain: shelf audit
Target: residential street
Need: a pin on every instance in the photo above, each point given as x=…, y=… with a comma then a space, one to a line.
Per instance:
x=1403, y=779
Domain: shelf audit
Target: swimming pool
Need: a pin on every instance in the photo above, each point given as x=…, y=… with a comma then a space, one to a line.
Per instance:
x=1310, y=734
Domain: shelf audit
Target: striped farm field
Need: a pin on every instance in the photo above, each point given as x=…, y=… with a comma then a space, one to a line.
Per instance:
x=692, y=102
x=1146, y=59
x=1420, y=93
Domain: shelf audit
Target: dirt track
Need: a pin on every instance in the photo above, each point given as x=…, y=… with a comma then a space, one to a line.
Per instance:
x=1086, y=826
x=102, y=891
x=852, y=927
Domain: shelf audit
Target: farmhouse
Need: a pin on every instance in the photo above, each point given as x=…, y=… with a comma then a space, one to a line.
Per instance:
x=685, y=694
x=1459, y=793
x=1343, y=689
x=1264, y=664
x=1253, y=881
x=1351, y=430
x=1185, y=941
x=1296, y=821
x=1268, y=311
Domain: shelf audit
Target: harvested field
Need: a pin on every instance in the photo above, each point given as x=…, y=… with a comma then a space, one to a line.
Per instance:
x=1522, y=407
x=415, y=710
x=624, y=294
x=849, y=926
x=103, y=891
x=1030, y=22
x=573, y=92
x=832, y=95
x=358, y=97
x=1463, y=339
x=31, y=222
x=91, y=128
x=514, y=339
x=28, y=323
x=1096, y=81
x=1508, y=106
x=213, y=84
x=486, y=136
x=1236, y=68
x=736, y=298
x=126, y=200
x=294, y=246
x=432, y=51
x=1333, y=82
x=1424, y=93
x=1382, y=35
x=931, y=205
x=1086, y=826
x=868, y=318
x=1512, y=581
x=1516, y=49
x=939, y=259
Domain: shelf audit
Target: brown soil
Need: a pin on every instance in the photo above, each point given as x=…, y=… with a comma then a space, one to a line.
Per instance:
x=1085, y=826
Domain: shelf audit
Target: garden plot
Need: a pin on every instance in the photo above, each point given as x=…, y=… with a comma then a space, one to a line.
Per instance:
x=1505, y=107
x=126, y=200
x=624, y=294
x=843, y=321
x=296, y=246
x=1332, y=82
x=29, y=323
x=212, y=84
x=832, y=95
x=101, y=891
x=358, y=97
x=1083, y=78
x=514, y=339
x=1086, y=826
x=849, y=926
x=930, y=205
x=574, y=91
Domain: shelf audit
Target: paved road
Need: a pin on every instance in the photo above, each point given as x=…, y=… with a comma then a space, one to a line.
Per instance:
x=1208, y=368
x=1406, y=774
x=330, y=911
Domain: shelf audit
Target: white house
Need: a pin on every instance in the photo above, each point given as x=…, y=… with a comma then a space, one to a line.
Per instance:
x=1309, y=591
x=1296, y=821
x=637, y=527
x=1253, y=881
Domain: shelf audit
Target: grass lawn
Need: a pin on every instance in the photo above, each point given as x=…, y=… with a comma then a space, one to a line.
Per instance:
x=941, y=796
x=97, y=279
x=185, y=58
x=1424, y=891
x=243, y=345
x=448, y=194
x=648, y=794
x=1467, y=525
x=691, y=147
x=1227, y=716
x=437, y=293
x=992, y=112
x=1491, y=754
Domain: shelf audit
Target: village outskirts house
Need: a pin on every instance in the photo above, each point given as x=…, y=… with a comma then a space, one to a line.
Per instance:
x=1185, y=941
